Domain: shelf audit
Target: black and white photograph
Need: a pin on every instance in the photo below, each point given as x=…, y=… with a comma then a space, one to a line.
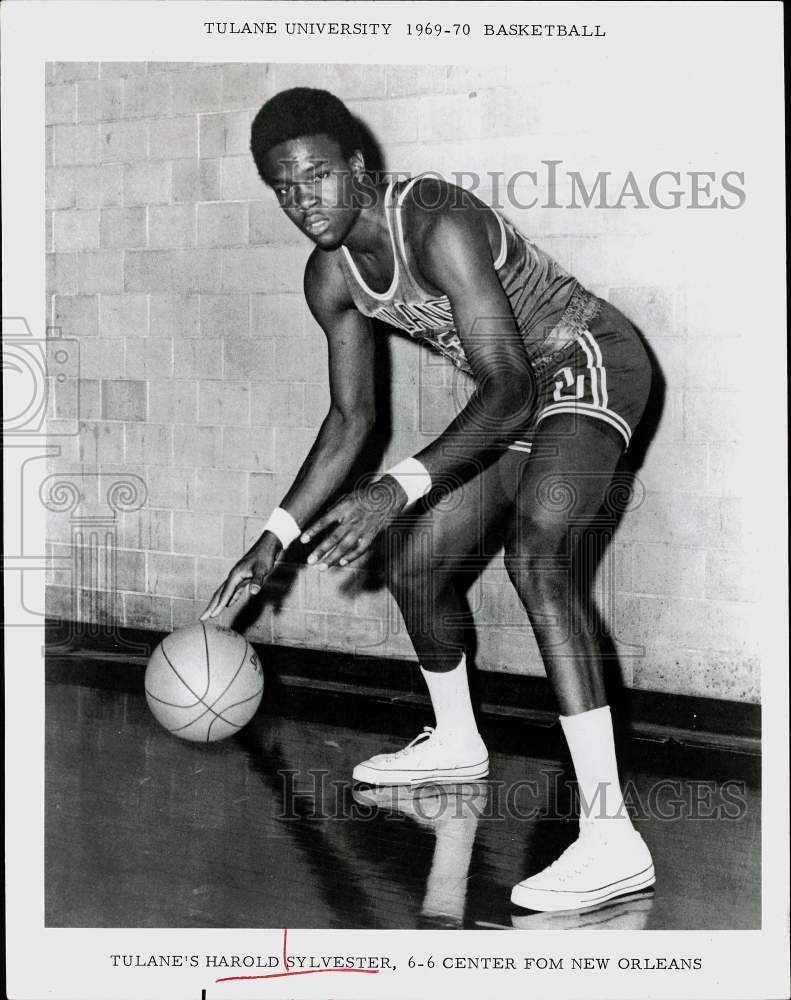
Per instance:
x=395, y=500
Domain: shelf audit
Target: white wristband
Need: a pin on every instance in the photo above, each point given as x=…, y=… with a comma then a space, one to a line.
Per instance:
x=282, y=524
x=413, y=478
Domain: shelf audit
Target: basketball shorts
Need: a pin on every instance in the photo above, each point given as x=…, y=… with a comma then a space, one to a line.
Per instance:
x=603, y=375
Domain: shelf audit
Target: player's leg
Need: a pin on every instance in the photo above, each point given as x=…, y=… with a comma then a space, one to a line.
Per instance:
x=554, y=530
x=555, y=515
x=422, y=558
x=425, y=554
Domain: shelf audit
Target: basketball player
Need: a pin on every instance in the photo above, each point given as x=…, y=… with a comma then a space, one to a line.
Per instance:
x=561, y=380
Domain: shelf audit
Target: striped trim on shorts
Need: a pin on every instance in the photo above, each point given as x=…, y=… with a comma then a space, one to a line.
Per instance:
x=604, y=375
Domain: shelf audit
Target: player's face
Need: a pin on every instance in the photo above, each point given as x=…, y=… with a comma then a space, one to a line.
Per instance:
x=314, y=183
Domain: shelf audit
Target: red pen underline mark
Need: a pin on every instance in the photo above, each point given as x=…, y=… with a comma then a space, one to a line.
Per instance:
x=299, y=972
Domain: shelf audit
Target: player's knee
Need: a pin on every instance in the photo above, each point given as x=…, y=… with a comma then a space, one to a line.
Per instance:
x=520, y=564
x=405, y=567
x=532, y=550
x=537, y=586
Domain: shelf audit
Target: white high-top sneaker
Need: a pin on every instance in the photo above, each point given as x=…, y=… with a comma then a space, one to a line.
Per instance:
x=427, y=759
x=604, y=862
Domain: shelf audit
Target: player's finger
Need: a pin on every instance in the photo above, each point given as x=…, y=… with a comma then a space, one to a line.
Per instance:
x=316, y=528
x=251, y=584
x=353, y=554
x=333, y=516
x=338, y=553
x=236, y=578
x=237, y=593
x=319, y=553
x=212, y=603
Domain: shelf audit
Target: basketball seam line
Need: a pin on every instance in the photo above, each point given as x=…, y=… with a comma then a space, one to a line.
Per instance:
x=174, y=704
x=219, y=715
x=228, y=708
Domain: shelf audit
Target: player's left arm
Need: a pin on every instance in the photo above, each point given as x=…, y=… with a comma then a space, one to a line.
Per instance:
x=455, y=256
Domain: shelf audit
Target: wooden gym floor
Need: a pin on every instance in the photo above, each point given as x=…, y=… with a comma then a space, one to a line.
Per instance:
x=265, y=829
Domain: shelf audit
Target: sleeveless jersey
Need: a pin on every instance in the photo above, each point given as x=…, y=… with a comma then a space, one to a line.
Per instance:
x=550, y=306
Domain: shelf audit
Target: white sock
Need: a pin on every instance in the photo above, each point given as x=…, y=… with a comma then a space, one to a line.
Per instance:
x=590, y=739
x=450, y=699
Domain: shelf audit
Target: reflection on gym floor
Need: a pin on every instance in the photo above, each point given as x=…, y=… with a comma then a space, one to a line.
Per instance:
x=265, y=830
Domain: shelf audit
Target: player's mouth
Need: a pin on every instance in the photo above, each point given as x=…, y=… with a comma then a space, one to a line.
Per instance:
x=316, y=225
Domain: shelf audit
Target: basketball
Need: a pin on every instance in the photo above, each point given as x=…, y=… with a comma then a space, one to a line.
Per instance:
x=204, y=682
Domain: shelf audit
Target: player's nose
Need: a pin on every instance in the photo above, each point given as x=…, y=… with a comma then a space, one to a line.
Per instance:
x=305, y=196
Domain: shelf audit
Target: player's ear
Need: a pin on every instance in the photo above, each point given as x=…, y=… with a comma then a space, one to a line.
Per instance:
x=357, y=163
x=362, y=183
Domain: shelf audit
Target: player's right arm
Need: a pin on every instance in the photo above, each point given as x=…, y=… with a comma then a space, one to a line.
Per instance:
x=343, y=432
x=351, y=413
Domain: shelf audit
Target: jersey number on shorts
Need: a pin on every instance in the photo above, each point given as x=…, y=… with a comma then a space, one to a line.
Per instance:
x=567, y=381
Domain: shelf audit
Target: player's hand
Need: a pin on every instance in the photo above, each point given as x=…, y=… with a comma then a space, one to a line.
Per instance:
x=359, y=517
x=248, y=575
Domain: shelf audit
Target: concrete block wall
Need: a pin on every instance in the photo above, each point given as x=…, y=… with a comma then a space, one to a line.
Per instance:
x=202, y=373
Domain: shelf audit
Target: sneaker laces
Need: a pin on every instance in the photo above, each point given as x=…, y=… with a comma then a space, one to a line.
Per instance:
x=427, y=734
x=574, y=860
